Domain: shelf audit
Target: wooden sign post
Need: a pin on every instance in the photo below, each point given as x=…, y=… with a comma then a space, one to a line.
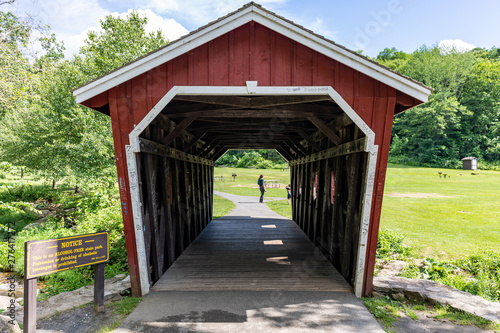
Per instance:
x=56, y=255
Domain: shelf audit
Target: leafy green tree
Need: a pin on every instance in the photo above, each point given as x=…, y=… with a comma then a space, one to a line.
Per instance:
x=15, y=75
x=121, y=41
x=482, y=97
x=54, y=135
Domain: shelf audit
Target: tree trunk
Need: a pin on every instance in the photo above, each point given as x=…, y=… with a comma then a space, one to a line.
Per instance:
x=54, y=184
x=22, y=173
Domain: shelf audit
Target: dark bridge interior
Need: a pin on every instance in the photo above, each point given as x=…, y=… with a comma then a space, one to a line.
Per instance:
x=179, y=148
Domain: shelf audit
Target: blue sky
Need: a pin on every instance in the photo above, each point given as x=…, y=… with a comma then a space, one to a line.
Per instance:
x=358, y=24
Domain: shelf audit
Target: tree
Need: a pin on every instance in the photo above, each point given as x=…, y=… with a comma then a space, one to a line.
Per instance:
x=462, y=115
x=121, y=41
x=54, y=135
x=15, y=74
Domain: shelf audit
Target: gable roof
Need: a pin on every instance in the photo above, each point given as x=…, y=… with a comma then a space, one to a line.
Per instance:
x=248, y=13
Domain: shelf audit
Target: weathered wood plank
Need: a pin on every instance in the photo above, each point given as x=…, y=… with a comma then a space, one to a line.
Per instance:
x=347, y=148
x=152, y=206
x=155, y=148
x=194, y=140
x=320, y=124
x=167, y=203
x=309, y=139
x=178, y=130
x=231, y=255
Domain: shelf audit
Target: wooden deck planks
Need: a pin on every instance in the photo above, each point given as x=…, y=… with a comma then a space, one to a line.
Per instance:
x=252, y=254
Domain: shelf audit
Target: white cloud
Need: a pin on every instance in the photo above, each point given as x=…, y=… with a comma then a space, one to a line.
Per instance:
x=170, y=28
x=318, y=26
x=446, y=46
x=200, y=12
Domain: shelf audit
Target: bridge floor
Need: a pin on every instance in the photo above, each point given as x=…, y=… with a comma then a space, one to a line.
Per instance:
x=250, y=271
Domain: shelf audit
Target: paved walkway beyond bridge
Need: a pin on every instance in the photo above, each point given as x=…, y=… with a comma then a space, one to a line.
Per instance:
x=251, y=271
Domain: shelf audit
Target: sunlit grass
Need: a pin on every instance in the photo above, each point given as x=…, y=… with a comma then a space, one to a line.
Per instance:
x=246, y=181
x=453, y=216
x=222, y=206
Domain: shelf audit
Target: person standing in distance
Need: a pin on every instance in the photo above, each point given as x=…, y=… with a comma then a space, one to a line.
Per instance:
x=288, y=189
x=260, y=182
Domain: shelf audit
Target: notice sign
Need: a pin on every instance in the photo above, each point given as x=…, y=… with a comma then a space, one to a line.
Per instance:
x=60, y=254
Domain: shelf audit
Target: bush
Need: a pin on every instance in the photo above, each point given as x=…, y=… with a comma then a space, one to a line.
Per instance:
x=16, y=215
x=478, y=274
x=30, y=193
x=390, y=246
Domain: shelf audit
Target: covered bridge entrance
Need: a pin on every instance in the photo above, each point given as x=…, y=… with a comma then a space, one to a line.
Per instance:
x=251, y=80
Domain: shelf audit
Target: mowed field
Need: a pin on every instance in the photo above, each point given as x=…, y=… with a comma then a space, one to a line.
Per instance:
x=444, y=217
x=441, y=217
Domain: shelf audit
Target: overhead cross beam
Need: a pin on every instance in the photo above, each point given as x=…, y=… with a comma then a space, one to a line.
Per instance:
x=320, y=124
x=252, y=102
x=309, y=139
x=178, y=130
x=193, y=141
x=297, y=144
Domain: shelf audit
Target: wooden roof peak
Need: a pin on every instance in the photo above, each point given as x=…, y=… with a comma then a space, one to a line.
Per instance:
x=256, y=13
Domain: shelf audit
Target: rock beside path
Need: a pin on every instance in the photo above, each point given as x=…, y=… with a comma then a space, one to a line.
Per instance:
x=436, y=293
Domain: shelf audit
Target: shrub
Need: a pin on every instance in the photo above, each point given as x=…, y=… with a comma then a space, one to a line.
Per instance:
x=478, y=274
x=14, y=216
x=390, y=246
x=30, y=193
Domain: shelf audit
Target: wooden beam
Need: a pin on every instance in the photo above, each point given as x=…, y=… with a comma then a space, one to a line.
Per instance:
x=178, y=130
x=269, y=101
x=284, y=154
x=336, y=124
x=347, y=148
x=309, y=140
x=161, y=121
x=320, y=124
x=297, y=144
x=207, y=144
x=252, y=102
x=247, y=113
x=292, y=149
x=235, y=101
x=219, y=154
x=194, y=140
x=155, y=148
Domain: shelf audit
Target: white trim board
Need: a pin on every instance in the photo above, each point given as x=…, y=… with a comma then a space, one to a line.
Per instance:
x=237, y=19
x=251, y=89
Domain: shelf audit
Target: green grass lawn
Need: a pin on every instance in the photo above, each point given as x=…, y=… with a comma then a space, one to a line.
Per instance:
x=222, y=206
x=246, y=181
x=444, y=217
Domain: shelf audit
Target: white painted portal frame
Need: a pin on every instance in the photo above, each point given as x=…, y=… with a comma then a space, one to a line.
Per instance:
x=252, y=89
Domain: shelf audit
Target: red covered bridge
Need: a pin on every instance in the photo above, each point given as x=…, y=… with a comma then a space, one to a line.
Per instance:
x=251, y=80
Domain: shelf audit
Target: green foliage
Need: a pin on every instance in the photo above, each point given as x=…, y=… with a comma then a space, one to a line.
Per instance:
x=222, y=207
x=478, y=274
x=281, y=206
x=39, y=116
x=96, y=211
x=388, y=311
x=119, y=42
x=390, y=246
x=14, y=216
x=384, y=309
x=461, y=117
x=30, y=193
x=260, y=159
